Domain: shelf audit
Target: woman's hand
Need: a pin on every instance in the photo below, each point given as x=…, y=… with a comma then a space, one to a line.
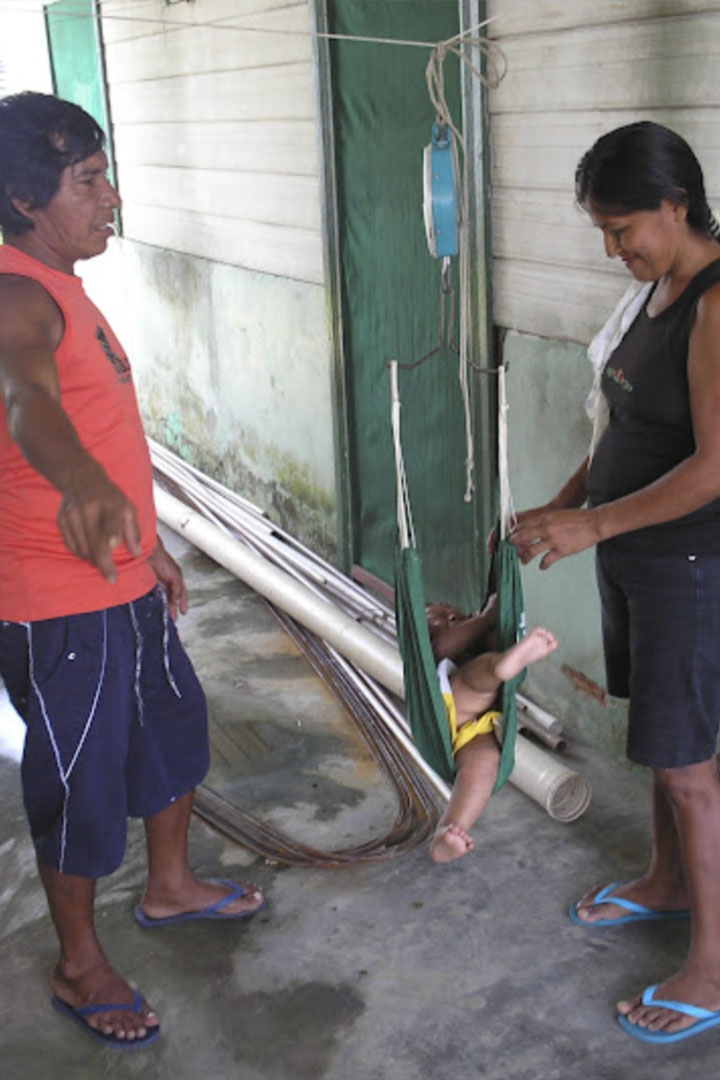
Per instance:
x=554, y=534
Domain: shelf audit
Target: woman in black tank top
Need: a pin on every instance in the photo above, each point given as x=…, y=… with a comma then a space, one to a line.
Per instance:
x=650, y=500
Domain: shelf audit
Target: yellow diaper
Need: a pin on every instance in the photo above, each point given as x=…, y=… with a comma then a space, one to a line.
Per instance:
x=461, y=736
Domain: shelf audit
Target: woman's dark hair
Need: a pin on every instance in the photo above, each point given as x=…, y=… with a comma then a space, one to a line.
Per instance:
x=636, y=166
x=40, y=135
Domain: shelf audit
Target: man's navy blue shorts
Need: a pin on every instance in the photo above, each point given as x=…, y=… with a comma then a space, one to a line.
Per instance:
x=661, y=631
x=116, y=727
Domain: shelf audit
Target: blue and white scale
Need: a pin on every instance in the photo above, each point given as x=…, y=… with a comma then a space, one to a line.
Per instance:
x=440, y=194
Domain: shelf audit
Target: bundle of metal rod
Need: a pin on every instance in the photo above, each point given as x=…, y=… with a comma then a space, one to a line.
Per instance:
x=238, y=517
x=417, y=810
x=357, y=625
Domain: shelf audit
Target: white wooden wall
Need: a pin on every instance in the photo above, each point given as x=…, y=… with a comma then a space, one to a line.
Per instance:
x=576, y=69
x=213, y=114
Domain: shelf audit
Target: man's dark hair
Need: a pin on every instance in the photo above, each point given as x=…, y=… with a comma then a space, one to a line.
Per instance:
x=40, y=135
x=636, y=166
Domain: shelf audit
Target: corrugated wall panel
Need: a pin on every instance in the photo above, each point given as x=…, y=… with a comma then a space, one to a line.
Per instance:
x=574, y=72
x=662, y=62
x=258, y=197
x=547, y=16
x=263, y=94
x=265, y=146
x=192, y=50
x=284, y=252
x=213, y=108
x=124, y=20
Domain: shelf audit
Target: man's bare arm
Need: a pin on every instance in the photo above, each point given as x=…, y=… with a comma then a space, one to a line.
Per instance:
x=94, y=517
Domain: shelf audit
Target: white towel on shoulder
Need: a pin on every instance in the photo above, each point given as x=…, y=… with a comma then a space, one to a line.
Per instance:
x=599, y=349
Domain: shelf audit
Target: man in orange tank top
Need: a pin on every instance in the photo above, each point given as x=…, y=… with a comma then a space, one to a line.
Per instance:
x=115, y=717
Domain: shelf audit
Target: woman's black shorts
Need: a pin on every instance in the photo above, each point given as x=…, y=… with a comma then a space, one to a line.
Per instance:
x=661, y=632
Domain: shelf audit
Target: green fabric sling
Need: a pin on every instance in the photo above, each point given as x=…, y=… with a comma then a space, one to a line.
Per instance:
x=510, y=628
x=424, y=702
x=423, y=699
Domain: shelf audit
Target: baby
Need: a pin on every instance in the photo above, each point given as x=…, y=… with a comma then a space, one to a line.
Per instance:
x=470, y=691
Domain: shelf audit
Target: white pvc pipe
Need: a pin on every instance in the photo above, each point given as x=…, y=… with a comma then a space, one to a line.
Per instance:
x=564, y=794
x=543, y=717
x=379, y=658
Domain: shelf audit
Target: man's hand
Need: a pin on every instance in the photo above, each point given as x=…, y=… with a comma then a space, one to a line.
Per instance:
x=95, y=518
x=554, y=534
x=170, y=577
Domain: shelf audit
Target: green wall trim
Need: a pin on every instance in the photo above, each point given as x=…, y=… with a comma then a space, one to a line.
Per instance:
x=77, y=61
x=476, y=130
x=328, y=186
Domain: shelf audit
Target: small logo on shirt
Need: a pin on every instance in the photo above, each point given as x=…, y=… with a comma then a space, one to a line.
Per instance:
x=122, y=367
x=618, y=376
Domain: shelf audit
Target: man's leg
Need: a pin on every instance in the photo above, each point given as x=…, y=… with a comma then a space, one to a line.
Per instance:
x=694, y=793
x=663, y=887
x=172, y=888
x=83, y=975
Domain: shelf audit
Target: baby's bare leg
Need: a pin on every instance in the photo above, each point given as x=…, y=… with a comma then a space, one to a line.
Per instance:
x=476, y=683
x=477, y=765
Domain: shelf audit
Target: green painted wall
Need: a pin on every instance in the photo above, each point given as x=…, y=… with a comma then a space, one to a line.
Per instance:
x=549, y=434
x=75, y=58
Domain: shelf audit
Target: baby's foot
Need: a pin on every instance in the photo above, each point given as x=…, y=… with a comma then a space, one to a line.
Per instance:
x=538, y=644
x=450, y=842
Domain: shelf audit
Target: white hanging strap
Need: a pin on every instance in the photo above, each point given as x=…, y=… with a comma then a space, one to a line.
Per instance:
x=406, y=529
x=434, y=75
x=464, y=367
x=507, y=507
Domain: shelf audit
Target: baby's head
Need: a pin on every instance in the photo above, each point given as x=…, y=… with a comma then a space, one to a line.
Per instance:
x=440, y=616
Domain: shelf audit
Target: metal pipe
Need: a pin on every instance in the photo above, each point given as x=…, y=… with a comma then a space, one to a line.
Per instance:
x=377, y=657
x=542, y=716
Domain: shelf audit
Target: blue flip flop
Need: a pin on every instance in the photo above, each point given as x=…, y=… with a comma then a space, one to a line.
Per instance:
x=213, y=911
x=635, y=912
x=78, y=1017
x=705, y=1019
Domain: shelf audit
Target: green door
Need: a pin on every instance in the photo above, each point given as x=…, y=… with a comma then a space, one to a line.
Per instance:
x=76, y=57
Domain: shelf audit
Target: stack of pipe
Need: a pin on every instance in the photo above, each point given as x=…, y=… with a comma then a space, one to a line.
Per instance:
x=356, y=625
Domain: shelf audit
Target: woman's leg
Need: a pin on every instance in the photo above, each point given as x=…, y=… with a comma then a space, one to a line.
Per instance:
x=665, y=666
x=694, y=794
x=662, y=887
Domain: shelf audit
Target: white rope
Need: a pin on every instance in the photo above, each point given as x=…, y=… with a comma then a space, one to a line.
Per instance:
x=507, y=506
x=434, y=75
x=406, y=529
x=183, y=24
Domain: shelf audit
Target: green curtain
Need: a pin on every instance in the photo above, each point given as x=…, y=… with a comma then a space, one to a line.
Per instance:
x=391, y=292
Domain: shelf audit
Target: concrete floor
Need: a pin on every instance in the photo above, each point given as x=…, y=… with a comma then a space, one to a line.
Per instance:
x=396, y=970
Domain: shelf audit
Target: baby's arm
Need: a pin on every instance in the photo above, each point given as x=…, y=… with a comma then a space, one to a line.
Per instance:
x=452, y=633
